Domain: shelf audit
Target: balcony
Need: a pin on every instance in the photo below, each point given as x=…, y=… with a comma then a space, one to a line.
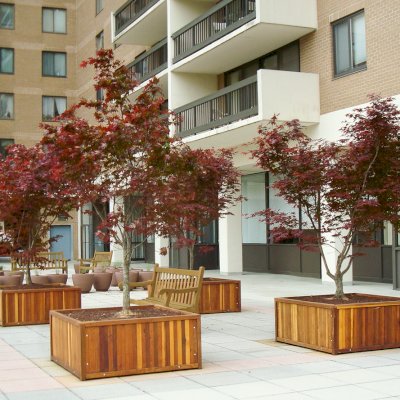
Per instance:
x=221, y=19
x=230, y=117
x=150, y=63
x=141, y=22
x=211, y=42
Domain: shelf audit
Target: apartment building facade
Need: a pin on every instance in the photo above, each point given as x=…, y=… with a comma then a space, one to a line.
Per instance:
x=225, y=67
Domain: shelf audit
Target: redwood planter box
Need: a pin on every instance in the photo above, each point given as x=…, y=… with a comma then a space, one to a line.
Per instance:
x=220, y=295
x=29, y=306
x=340, y=328
x=149, y=342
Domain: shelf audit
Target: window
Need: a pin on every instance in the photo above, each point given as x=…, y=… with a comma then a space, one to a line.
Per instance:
x=53, y=107
x=100, y=94
x=6, y=106
x=54, y=64
x=6, y=16
x=349, y=44
x=3, y=146
x=99, y=5
x=6, y=61
x=54, y=20
x=100, y=41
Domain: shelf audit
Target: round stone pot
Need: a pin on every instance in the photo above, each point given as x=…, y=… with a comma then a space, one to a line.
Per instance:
x=58, y=278
x=145, y=276
x=113, y=270
x=10, y=280
x=40, y=279
x=133, y=276
x=83, y=281
x=102, y=281
x=20, y=275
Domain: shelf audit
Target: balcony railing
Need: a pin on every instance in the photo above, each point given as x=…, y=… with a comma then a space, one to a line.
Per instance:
x=224, y=17
x=130, y=12
x=228, y=105
x=150, y=63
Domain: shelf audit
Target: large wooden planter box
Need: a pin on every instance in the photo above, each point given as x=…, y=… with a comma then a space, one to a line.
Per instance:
x=30, y=306
x=117, y=347
x=220, y=295
x=341, y=328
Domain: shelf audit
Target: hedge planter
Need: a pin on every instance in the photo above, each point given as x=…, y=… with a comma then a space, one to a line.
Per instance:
x=28, y=305
x=365, y=322
x=220, y=295
x=91, y=345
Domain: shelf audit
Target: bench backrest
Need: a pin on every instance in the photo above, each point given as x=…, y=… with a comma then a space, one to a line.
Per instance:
x=44, y=259
x=101, y=259
x=175, y=278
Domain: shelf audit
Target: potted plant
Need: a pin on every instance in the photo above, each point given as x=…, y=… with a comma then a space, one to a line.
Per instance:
x=128, y=159
x=342, y=188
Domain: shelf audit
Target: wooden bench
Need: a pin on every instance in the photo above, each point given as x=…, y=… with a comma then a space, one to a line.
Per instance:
x=45, y=261
x=100, y=259
x=173, y=287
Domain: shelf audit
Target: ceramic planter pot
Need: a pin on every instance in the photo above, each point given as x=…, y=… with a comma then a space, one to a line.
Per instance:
x=40, y=279
x=133, y=276
x=102, y=281
x=10, y=280
x=145, y=276
x=57, y=278
x=113, y=270
x=83, y=281
x=20, y=275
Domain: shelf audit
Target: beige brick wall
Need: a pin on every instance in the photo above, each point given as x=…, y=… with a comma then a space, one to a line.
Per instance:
x=383, y=53
x=27, y=82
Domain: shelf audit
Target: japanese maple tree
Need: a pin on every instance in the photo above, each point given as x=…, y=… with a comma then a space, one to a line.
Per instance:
x=202, y=186
x=343, y=188
x=30, y=201
x=118, y=151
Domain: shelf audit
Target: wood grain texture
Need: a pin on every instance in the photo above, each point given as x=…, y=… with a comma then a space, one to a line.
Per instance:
x=126, y=346
x=338, y=329
x=220, y=295
x=32, y=306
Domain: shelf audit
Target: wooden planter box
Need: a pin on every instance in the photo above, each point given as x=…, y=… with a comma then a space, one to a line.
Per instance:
x=220, y=295
x=30, y=306
x=342, y=328
x=117, y=347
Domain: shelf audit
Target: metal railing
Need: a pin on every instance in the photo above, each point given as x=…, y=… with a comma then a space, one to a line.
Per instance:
x=224, y=17
x=131, y=11
x=150, y=63
x=228, y=105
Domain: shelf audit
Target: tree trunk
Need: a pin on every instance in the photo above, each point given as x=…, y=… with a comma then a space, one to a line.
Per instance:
x=191, y=256
x=127, y=251
x=339, y=294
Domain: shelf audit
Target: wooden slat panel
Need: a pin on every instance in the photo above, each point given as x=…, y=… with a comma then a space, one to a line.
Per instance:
x=370, y=327
x=220, y=295
x=32, y=306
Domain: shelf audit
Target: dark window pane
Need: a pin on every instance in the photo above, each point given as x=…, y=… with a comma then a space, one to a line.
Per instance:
x=7, y=16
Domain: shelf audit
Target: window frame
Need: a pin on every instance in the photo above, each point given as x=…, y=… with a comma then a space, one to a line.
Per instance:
x=353, y=68
x=12, y=5
x=52, y=97
x=66, y=64
x=99, y=36
x=53, y=9
x=3, y=152
x=97, y=3
x=13, y=106
x=13, y=61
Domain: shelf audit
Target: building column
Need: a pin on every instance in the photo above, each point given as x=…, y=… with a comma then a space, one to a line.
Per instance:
x=159, y=242
x=331, y=255
x=230, y=242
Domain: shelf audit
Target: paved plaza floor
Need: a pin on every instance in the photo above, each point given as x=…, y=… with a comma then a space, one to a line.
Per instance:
x=241, y=360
